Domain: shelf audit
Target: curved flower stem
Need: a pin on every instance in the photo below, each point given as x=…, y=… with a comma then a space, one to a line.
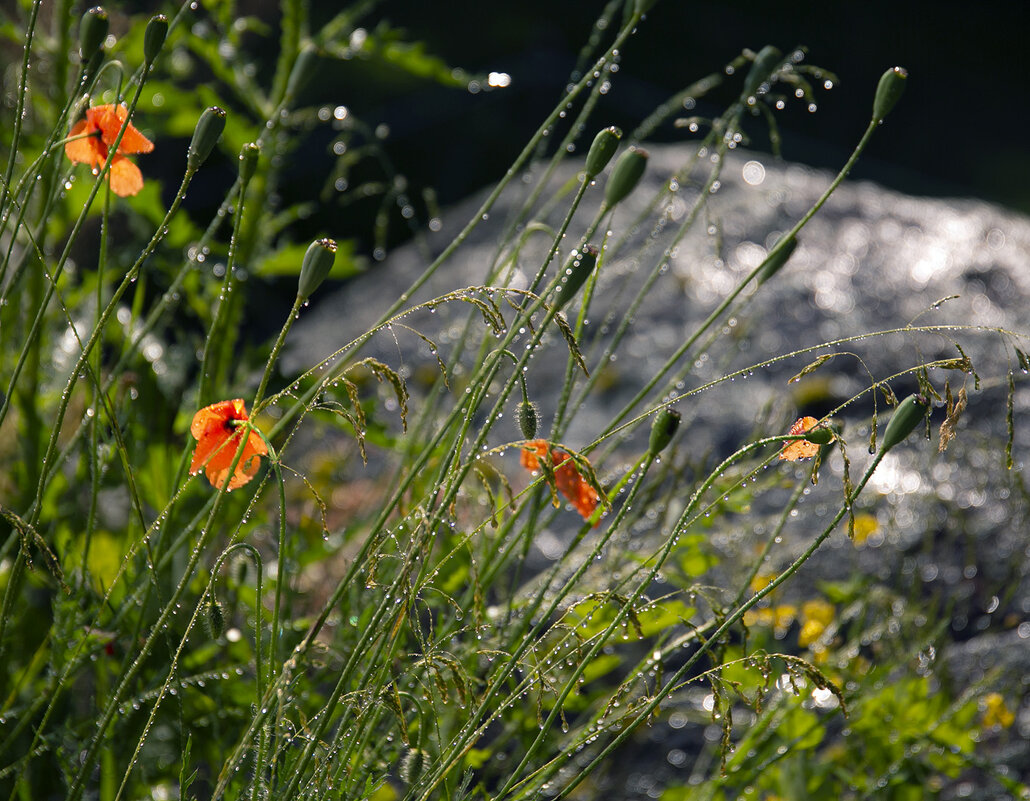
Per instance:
x=274, y=355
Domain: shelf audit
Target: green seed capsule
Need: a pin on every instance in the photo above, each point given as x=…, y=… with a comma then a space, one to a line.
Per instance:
x=906, y=417
x=92, y=32
x=303, y=70
x=317, y=264
x=577, y=269
x=889, y=91
x=767, y=61
x=601, y=151
x=529, y=419
x=625, y=175
x=154, y=37
x=205, y=136
x=249, y=154
x=663, y=429
x=777, y=257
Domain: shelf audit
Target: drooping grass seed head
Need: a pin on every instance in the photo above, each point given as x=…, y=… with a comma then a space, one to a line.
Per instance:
x=317, y=264
x=154, y=37
x=766, y=62
x=92, y=32
x=889, y=91
x=578, y=267
x=628, y=170
x=663, y=429
x=601, y=150
x=205, y=136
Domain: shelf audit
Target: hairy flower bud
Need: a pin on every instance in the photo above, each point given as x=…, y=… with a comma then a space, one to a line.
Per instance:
x=625, y=175
x=889, y=91
x=601, y=151
x=663, y=429
x=578, y=268
x=205, y=136
x=214, y=618
x=154, y=37
x=529, y=419
x=92, y=32
x=905, y=418
x=317, y=264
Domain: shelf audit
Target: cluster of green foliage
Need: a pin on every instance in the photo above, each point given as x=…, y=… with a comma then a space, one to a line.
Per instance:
x=315, y=634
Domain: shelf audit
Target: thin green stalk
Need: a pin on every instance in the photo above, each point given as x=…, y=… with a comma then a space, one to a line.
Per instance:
x=19, y=113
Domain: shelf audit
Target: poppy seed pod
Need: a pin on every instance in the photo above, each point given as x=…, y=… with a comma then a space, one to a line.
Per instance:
x=303, y=69
x=889, y=91
x=905, y=418
x=205, y=136
x=529, y=419
x=766, y=61
x=577, y=269
x=663, y=429
x=154, y=37
x=601, y=151
x=317, y=264
x=92, y=32
x=625, y=175
x=777, y=257
x=249, y=154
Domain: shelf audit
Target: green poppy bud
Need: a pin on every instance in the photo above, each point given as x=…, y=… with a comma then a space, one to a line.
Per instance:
x=820, y=435
x=889, y=91
x=205, y=136
x=529, y=419
x=905, y=418
x=154, y=37
x=777, y=257
x=663, y=429
x=578, y=268
x=766, y=62
x=248, y=161
x=625, y=175
x=214, y=619
x=303, y=70
x=601, y=151
x=92, y=32
x=317, y=264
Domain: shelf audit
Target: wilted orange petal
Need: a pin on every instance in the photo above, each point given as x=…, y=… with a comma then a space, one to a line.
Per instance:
x=125, y=177
x=83, y=151
x=799, y=449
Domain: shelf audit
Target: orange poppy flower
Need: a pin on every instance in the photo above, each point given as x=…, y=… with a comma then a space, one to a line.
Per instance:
x=218, y=429
x=799, y=448
x=570, y=483
x=103, y=123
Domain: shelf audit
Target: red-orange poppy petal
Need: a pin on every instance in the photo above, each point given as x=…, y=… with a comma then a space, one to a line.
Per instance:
x=82, y=151
x=531, y=453
x=800, y=449
x=213, y=418
x=217, y=429
x=125, y=177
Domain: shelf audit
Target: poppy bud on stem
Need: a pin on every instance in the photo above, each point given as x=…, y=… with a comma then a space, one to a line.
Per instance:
x=249, y=154
x=154, y=37
x=578, y=268
x=601, y=151
x=92, y=32
x=205, y=137
x=529, y=418
x=317, y=264
x=888, y=92
x=905, y=418
x=778, y=256
x=625, y=175
x=663, y=429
